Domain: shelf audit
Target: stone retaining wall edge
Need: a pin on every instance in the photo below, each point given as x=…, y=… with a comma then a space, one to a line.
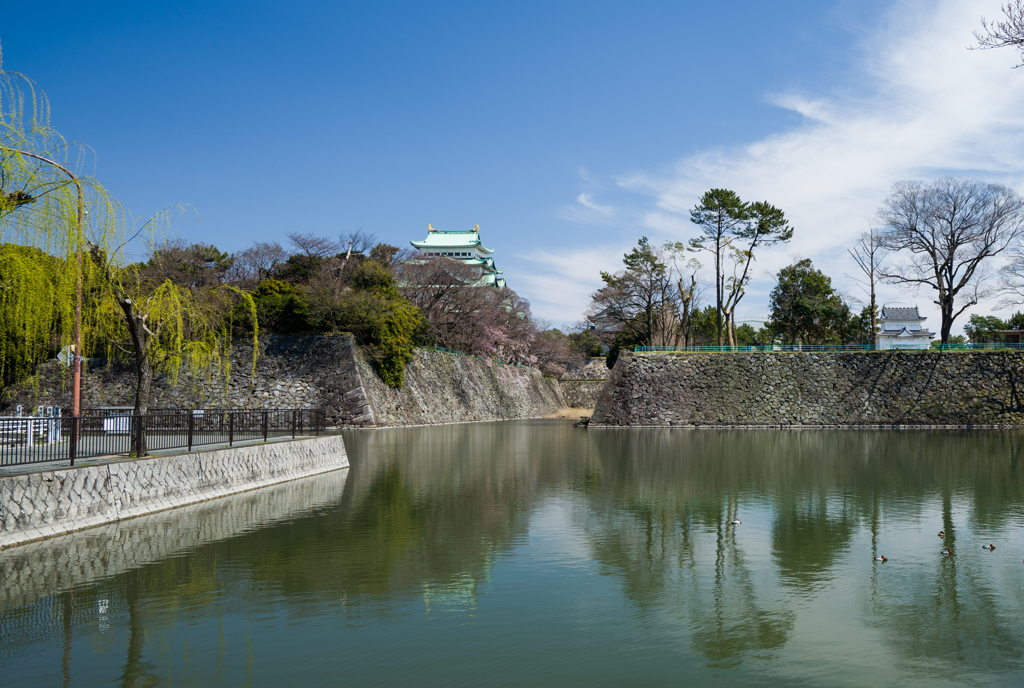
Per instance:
x=44, y=504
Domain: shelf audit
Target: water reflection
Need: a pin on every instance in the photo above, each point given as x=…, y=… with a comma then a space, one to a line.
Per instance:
x=496, y=538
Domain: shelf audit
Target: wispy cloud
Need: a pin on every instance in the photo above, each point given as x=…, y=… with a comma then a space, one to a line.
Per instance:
x=562, y=282
x=584, y=200
x=586, y=210
x=922, y=106
x=930, y=107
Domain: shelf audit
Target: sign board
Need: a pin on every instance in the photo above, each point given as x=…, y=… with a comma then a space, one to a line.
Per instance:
x=65, y=356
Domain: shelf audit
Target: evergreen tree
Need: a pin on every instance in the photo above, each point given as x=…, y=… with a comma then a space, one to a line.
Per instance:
x=720, y=214
x=804, y=306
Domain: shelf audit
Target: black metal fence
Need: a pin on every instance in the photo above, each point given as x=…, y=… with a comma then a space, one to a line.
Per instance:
x=38, y=439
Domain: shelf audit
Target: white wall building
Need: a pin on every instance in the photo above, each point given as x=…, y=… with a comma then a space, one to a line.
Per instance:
x=900, y=328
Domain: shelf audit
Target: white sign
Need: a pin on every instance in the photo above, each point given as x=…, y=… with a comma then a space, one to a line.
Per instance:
x=65, y=356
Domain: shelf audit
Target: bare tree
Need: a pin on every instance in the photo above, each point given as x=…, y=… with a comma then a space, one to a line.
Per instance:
x=1008, y=32
x=257, y=263
x=444, y=291
x=1011, y=278
x=642, y=301
x=951, y=229
x=869, y=255
x=357, y=242
x=312, y=246
x=690, y=297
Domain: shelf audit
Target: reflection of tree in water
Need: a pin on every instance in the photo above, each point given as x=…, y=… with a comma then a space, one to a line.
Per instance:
x=426, y=512
x=647, y=526
x=948, y=619
x=736, y=622
x=429, y=524
x=661, y=490
x=136, y=671
x=808, y=532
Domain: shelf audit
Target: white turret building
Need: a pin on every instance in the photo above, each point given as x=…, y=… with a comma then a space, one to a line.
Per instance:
x=464, y=247
x=900, y=328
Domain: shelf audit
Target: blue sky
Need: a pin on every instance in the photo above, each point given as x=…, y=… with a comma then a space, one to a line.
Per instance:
x=566, y=130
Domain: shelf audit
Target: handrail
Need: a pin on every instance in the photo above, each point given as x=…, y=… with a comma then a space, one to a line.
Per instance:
x=824, y=348
x=28, y=440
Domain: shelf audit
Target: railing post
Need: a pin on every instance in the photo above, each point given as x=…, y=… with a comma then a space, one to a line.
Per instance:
x=73, y=445
x=293, y=423
x=231, y=429
x=140, y=434
x=264, y=426
x=191, y=427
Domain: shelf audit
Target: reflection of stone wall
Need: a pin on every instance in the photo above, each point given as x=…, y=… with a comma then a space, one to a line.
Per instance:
x=327, y=371
x=862, y=388
x=50, y=566
x=34, y=506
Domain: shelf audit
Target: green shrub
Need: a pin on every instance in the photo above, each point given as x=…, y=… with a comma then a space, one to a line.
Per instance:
x=281, y=307
x=369, y=306
x=385, y=326
x=381, y=319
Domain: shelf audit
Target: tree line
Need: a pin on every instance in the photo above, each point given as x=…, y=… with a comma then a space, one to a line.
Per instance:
x=945, y=237
x=64, y=241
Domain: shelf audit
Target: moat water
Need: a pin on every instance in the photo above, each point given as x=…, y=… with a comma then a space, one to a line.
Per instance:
x=534, y=553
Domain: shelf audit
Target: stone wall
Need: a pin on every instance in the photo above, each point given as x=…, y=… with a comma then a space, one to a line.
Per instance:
x=788, y=389
x=328, y=371
x=48, y=567
x=43, y=504
x=581, y=394
x=443, y=387
x=582, y=384
x=595, y=368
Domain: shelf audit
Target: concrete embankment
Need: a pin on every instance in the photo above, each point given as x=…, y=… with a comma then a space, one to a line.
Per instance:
x=51, y=566
x=43, y=504
x=330, y=372
x=816, y=389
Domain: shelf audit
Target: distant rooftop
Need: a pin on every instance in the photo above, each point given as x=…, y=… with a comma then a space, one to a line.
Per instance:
x=901, y=314
x=437, y=238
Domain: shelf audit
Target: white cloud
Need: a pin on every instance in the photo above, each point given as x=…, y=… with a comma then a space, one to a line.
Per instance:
x=587, y=211
x=560, y=288
x=584, y=200
x=923, y=106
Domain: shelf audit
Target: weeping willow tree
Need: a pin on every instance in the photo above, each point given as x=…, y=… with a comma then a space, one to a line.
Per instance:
x=64, y=278
x=31, y=282
x=48, y=209
x=165, y=327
